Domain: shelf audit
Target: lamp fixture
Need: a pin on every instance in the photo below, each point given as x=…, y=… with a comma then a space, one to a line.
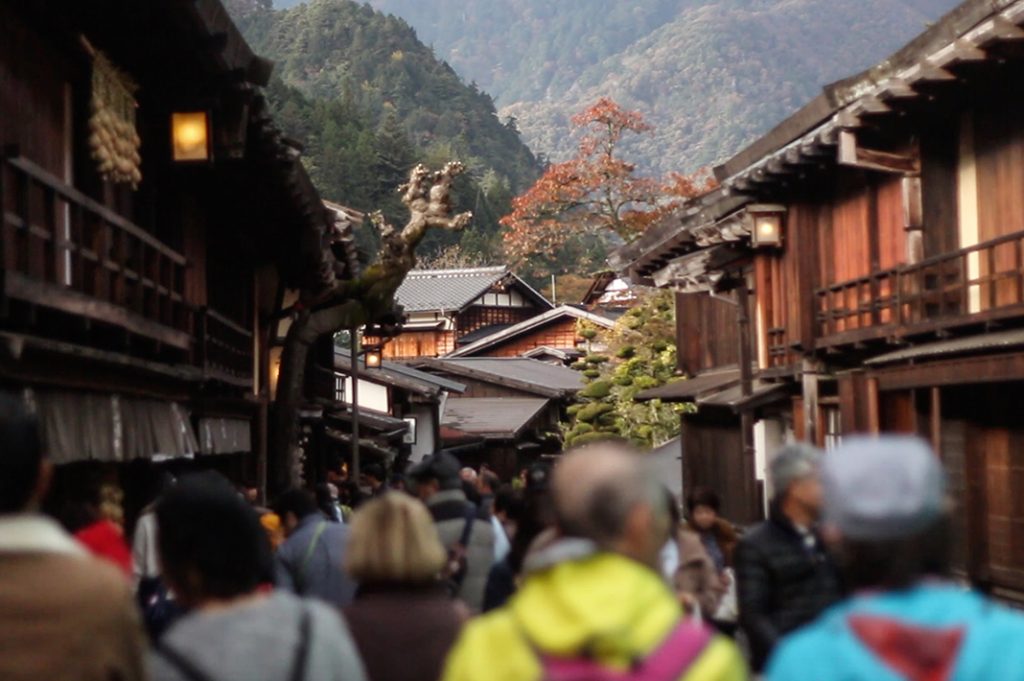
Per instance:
x=372, y=356
x=190, y=136
x=766, y=225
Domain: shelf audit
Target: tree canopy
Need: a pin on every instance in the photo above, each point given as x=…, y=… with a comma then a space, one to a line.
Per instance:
x=597, y=192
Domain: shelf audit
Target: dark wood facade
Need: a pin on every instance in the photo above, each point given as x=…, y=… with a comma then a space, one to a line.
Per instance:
x=154, y=298
x=895, y=302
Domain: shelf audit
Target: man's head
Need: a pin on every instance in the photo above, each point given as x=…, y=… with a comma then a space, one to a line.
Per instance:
x=488, y=483
x=434, y=473
x=24, y=471
x=468, y=474
x=794, y=475
x=886, y=507
x=212, y=546
x=373, y=475
x=607, y=493
x=294, y=505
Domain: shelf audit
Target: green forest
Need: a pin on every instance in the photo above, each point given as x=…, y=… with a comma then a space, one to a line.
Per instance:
x=369, y=100
x=710, y=75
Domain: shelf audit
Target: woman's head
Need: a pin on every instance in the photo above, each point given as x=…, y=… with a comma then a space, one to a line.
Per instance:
x=394, y=541
x=703, y=505
x=212, y=546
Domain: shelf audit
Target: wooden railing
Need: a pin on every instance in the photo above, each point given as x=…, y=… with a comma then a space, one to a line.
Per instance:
x=225, y=347
x=778, y=349
x=981, y=282
x=63, y=250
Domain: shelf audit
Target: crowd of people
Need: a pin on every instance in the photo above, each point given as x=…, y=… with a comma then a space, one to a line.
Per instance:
x=585, y=570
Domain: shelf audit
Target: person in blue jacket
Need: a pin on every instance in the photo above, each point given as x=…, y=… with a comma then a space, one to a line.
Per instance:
x=887, y=511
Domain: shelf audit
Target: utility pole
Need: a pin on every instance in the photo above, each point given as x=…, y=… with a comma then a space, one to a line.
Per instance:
x=354, y=349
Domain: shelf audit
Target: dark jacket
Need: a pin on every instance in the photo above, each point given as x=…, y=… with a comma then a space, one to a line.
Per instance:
x=449, y=508
x=404, y=633
x=782, y=584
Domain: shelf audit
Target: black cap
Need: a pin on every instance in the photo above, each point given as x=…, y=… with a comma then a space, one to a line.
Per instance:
x=441, y=466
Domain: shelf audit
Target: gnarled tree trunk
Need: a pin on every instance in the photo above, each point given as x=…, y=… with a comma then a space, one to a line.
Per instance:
x=369, y=299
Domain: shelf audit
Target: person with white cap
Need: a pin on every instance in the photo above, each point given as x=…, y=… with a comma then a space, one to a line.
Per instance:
x=784, y=574
x=887, y=511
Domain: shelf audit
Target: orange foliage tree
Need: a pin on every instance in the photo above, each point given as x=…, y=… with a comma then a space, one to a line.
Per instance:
x=595, y=191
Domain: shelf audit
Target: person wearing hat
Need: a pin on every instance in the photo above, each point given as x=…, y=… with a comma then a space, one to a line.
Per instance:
x=784, y=574
x=465, y=529
x=886, y=509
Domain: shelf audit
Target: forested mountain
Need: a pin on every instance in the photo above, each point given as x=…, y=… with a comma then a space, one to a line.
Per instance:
x=709, y=74
x=368, y=100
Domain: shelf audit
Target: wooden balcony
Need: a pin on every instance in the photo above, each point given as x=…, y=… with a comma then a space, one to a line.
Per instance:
x=974, y=285
x=61, y=250
x=225, y=348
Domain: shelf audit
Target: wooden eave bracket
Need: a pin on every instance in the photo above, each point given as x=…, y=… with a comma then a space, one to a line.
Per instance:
x=928, y=73
x=957, y=52
x=1000, y=29
x=853, y=155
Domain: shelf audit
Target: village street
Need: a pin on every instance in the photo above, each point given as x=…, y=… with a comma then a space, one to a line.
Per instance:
x=397, y=341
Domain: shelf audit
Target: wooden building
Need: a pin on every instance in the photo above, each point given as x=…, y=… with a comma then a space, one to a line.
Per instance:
x=152, y=215
x=446, y=309
x=873, y=246
x=610, y=295
x=416, y=398
x=552, y=336
x=509, y=413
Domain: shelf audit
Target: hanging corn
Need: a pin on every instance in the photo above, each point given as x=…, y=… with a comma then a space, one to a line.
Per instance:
x=113, y=139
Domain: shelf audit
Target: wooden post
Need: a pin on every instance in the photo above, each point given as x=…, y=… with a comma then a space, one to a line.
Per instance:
x=746, y=389
x=935, y=422
x=874, y=417
x=354, y=348
x=743, y=321
x=261, y=448
x=810, y=379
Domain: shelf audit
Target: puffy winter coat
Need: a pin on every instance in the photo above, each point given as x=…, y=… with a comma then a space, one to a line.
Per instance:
x=781, y=583
x=602, y=604
x=931, y=631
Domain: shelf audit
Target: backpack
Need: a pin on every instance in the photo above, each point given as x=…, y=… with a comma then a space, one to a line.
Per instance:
x=668, y=662
x=458, y=564
x=157, y=605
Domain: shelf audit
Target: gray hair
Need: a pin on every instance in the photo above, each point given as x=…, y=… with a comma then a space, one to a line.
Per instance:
x=793, y=462
x=595, y=502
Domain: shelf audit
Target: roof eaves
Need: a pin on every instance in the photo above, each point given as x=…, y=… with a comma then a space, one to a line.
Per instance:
x=439, y=364
x=528, y=325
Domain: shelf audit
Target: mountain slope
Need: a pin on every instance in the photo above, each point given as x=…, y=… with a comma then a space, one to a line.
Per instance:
x=710, y=74
x=368, y=100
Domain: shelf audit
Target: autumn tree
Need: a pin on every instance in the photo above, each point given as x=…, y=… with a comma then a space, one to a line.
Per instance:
x=595, y=192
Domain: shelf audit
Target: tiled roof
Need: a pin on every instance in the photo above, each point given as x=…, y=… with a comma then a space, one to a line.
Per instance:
x=548, y=377
x=497, y=418
x=425, y=290
x=398, y=375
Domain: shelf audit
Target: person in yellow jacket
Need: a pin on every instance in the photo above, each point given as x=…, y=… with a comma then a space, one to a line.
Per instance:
x=593, y=604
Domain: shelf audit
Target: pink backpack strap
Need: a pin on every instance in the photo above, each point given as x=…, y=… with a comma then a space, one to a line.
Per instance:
x=676, y=654
x=668, y=662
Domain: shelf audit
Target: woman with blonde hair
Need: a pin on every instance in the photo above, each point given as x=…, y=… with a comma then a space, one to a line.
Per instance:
x=396, y=555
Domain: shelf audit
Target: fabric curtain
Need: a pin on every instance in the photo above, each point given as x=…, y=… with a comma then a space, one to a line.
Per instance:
x=104, y=427
x=224, y=436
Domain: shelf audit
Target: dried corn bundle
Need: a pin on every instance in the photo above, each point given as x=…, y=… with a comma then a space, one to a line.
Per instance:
x=112, y=136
